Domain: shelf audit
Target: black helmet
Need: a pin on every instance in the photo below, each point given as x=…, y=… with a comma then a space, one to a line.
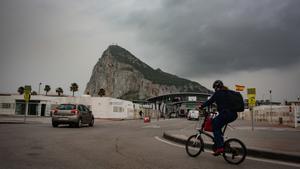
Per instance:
x=218, y=84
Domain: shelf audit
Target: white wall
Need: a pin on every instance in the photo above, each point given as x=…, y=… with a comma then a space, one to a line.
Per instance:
x=106, y=107
x=277, y=115
x=7, y=100
x=296, y=109
x=102, y=107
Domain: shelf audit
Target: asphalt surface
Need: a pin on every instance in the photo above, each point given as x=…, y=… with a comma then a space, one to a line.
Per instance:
x=129, y=144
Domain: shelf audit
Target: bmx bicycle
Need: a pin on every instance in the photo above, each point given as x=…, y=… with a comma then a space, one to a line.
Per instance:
x=234, y=150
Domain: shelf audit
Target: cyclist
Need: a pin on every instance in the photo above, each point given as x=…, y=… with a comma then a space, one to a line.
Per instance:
x=220, y=97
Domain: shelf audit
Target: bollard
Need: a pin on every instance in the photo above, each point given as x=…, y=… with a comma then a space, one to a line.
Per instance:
x=146, y=119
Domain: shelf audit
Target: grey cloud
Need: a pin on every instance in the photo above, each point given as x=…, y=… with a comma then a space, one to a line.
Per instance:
x=227, y=35
x=58, y=42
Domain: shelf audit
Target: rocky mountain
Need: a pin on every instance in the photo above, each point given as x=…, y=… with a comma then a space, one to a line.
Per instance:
x=120, y=74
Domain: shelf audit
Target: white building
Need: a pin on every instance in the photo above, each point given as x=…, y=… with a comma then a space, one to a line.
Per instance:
x=39, y=105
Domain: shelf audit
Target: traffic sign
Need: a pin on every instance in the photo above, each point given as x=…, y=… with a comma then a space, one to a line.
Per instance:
x=27, y=92
x=26, y=97
x=251, y=93
x=251, y=100
x=27, y=88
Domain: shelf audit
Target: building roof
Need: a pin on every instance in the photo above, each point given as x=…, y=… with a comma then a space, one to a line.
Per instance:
x=161, y=97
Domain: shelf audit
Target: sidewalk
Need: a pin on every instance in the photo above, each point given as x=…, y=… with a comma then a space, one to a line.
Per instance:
x=13, y=119
x=267, y=141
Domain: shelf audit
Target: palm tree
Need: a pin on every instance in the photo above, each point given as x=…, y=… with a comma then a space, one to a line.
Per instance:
x=33, y=93
x=59, y=91
x=47, y=89
x=101, y=92
x=74, y=87
x=21, y=90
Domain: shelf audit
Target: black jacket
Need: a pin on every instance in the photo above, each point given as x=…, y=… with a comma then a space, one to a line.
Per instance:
x=220, y=97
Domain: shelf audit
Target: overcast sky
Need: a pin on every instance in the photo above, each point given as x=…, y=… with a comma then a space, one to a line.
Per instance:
x=57, y=42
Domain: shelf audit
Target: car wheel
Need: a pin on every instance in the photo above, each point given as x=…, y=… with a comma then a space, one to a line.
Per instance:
x=79, y=123
x=54, y=124
x=91, y=124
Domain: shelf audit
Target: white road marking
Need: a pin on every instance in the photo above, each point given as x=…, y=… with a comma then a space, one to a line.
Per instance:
x=248, y=158
x=170, y=143
x=152, y=126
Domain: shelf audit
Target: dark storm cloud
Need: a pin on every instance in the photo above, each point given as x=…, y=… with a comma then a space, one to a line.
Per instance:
x=256, y=43
x=223, y=36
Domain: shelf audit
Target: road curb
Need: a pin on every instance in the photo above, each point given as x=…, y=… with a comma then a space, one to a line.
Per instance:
x=253, y=152
x=21, y=122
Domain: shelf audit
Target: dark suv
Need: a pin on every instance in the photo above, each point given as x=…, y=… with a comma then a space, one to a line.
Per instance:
x=73, y=114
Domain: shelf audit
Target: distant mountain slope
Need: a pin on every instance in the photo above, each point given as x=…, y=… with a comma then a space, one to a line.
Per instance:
x=122, y=75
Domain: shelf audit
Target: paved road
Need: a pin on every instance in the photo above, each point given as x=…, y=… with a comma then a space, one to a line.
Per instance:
x=108, y=145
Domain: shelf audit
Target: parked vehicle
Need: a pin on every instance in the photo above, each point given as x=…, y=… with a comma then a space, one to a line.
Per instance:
x=182, y=113
x=172, y=115
x=193, y=115
x=73, y=114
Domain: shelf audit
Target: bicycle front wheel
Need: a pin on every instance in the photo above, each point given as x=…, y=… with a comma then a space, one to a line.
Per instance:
x=194, y=145
x=234, y=151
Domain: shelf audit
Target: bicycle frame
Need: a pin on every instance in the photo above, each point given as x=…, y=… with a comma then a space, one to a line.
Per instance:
x=202, y=131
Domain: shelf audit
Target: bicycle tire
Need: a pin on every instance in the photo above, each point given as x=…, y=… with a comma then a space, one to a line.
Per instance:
x=194, y=145
x=235, y=151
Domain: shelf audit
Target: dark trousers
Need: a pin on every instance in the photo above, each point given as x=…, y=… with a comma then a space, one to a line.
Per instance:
x=218, y=123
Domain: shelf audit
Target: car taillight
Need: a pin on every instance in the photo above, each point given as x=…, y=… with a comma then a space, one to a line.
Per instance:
x=74, y=111
x=55, y=112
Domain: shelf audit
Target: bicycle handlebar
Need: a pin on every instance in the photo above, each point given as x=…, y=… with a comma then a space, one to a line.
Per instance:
x=207, y=113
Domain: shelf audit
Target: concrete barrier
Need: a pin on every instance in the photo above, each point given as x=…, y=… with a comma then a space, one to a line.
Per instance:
x=281, y=115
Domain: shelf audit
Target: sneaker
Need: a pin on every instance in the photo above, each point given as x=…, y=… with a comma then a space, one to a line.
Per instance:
x=218, y=151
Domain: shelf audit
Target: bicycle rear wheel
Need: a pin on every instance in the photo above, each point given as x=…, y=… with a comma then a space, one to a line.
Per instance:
x=234, y=151
x=194, y=145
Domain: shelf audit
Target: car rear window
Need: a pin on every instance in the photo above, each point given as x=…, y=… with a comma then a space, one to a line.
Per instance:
x=66, y=107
